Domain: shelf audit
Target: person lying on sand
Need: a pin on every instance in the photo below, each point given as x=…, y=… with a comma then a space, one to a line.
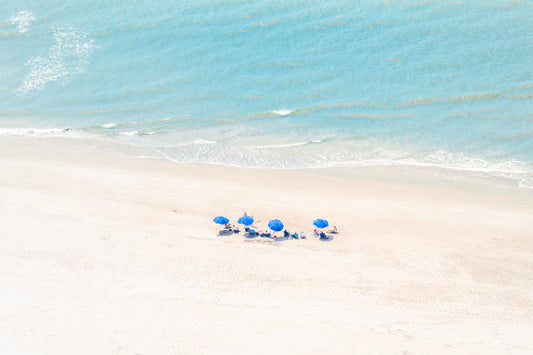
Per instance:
x=334, y=230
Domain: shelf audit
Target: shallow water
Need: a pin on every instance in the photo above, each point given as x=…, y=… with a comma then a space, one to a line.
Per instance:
x=279, y=85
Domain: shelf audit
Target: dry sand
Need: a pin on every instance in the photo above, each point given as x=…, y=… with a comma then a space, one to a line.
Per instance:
x=103, y=254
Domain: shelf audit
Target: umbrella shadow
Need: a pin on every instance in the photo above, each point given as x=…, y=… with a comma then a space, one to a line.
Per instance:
x=281, y=239
x=327, y=238
x=225, y=232
x=250, y=235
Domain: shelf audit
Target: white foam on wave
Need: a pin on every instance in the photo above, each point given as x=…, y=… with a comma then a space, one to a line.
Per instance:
x=141, y=139
x=305, y=155
x=43, y=132
x=440, y=159
x=109, y=125
x=273, y=146
x=22, y=20
x=310, y=156
x=203, y=141
x=282, y=112
x=512, y=169
x=67, y=57
x=30, y=131
x=287, y=145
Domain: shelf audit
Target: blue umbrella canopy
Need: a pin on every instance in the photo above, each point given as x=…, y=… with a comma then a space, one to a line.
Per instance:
x=320, y=223
x=221, y=220
x=246, y=220
x=275, y=225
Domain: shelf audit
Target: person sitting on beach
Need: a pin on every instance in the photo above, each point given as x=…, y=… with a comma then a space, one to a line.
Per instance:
x=315, y=233
x=334, y=230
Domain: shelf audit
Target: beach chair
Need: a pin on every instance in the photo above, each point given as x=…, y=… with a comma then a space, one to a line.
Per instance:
x=323, y=235
x=286, y=234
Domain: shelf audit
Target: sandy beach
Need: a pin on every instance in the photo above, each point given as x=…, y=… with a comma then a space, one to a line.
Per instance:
x=109, y=254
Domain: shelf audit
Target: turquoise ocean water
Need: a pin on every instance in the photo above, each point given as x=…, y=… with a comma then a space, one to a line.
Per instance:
x=278, y=84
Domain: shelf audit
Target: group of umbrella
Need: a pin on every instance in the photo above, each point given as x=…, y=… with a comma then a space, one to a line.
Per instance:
x=275, y=225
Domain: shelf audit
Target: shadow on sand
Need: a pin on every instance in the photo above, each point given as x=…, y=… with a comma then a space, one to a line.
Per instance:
x=327, y=238
x=250, y=236
x=225, y=232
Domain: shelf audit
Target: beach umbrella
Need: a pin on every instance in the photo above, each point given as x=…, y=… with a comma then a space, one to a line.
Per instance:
x=221, y=220
x=246, y=220
x=320, y=223
x=275, y=225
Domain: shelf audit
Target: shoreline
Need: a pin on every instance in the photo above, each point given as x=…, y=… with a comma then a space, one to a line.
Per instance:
x=113, y=254
x=477, y=174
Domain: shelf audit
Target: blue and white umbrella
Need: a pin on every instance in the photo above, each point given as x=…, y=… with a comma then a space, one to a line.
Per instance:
x=275, y=225
x=221, y=220
x=246, y=220
x=320, y=223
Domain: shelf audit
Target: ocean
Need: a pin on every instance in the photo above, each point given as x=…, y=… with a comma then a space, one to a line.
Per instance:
x=278, y=84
